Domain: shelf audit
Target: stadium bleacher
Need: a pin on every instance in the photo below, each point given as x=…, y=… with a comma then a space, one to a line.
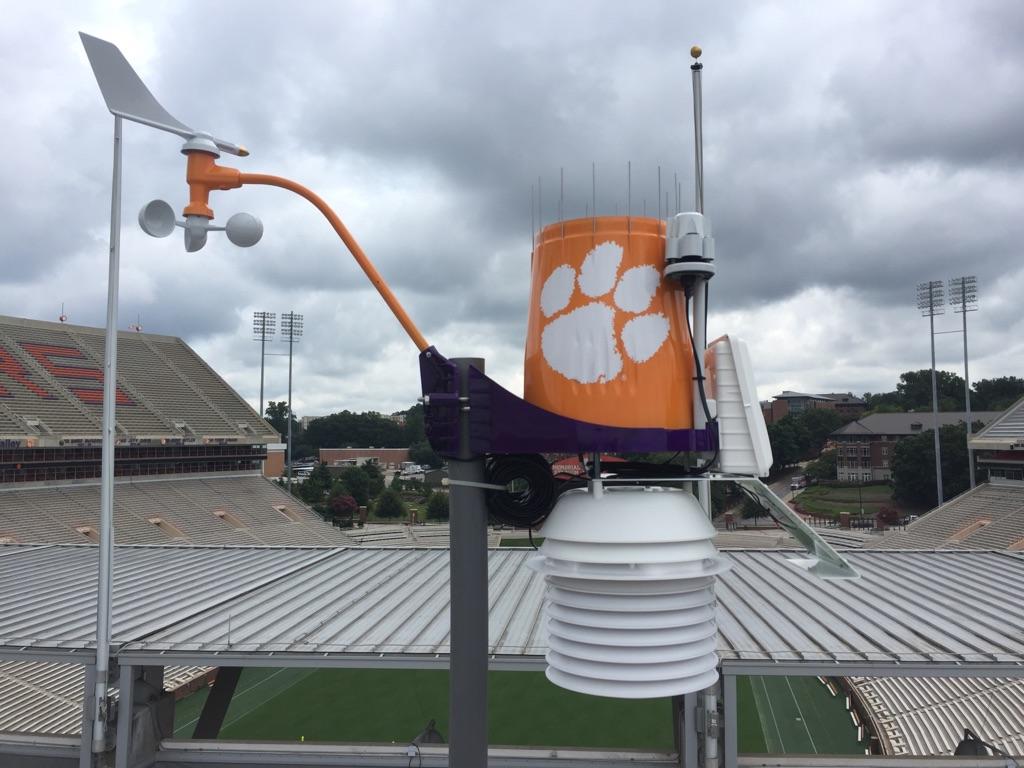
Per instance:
x=990, y=516
x=51, y=388
x=927, y=716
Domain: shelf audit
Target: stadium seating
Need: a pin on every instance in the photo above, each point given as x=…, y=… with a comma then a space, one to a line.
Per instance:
x=173, y=509
x=927, y=716
x=46, y=698
x=999, y=504
x=52, y=373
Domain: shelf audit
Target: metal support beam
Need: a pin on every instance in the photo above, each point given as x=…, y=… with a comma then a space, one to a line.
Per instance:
x=729, y=715
x=216, y=707
x=467, y=699
x=125, y=712
x=88, y=704
x=688, y=732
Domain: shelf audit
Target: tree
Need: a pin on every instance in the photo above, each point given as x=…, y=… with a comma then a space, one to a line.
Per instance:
x=375, y=479
x=341, y=506
x=915, y=390
x=437, y=506
x=996, y=394
x=356, y=429
x=913, y=466
x=390, y=505
x=355, y=481
x=422, y=453
x=801, y=436
x=824, y=467
x=277, y=415
x=314, y=488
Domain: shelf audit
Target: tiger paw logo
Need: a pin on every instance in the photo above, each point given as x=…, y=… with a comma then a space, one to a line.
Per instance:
x=582, y=344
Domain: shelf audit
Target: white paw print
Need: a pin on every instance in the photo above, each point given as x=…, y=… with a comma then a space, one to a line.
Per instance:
x=582, y=344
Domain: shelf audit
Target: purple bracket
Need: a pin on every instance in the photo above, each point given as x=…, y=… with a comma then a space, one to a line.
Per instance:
x=500, y=422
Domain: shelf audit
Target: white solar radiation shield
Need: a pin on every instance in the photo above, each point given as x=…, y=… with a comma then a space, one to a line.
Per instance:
x=630, y=605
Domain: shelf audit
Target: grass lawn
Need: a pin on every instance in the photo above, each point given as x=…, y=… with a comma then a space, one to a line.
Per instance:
x=537, y=541
x=373, y=705
x=827, y=500
x=793, y=715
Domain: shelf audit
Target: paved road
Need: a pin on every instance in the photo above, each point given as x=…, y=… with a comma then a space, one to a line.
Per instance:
x=781, y=486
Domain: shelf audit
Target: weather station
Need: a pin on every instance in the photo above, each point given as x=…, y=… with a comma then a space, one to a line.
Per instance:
x=616, y=361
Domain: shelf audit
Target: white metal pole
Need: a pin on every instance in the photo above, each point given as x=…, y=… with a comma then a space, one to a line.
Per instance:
x=967, y=381
x=106, y=547
x=263, y=357
x=291, y=345
x=935, y=399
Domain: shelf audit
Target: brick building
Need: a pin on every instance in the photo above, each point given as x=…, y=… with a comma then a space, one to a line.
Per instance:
x=865, y=446
x=788, y=402
x=388, y=458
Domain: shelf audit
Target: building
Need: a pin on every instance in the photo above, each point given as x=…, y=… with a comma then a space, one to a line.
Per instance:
x=865, y=446
x=387, y=458
x=999, y=447
x=781, y=405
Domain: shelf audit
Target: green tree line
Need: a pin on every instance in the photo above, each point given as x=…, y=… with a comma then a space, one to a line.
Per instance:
x=914, y=393
x=359, y=430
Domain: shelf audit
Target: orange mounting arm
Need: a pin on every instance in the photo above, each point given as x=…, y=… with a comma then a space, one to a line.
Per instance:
x=204, y=175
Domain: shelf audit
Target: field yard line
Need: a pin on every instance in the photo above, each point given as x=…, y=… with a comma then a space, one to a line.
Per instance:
x=771, y=710
x=242, y=692
x=802, y=718
x=252, y=709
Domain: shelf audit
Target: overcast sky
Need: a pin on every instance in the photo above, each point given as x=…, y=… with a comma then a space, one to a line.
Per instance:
x=852, y=150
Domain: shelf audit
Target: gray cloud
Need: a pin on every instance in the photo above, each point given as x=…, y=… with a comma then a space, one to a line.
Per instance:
x=853, y=149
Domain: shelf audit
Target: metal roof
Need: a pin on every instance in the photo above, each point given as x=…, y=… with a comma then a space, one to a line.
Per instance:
x=1005, y=432
x=900, y=423
x=344, y=607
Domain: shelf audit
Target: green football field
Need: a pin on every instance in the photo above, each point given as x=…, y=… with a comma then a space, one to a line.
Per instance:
x=794, y=715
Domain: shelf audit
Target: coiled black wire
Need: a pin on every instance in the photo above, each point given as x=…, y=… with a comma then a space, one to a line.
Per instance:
x=531, y=489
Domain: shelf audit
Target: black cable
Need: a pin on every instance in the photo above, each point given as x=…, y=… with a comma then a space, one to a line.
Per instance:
x=698, y=366
x=528, y=504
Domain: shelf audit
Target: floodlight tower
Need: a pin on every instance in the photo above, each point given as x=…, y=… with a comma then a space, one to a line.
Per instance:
x=291, y=327
x=963, y=295
x=931, y=301
x=263, y=325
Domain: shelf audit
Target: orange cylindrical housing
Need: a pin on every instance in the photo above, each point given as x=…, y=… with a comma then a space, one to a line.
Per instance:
x=606, y=339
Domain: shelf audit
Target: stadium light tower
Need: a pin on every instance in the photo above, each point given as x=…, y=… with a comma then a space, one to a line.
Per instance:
x=931, y=301
x=263, y=325
x=291, y=327
x=963, y=295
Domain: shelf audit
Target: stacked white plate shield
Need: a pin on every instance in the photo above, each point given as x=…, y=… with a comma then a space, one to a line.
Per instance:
x=630, y=579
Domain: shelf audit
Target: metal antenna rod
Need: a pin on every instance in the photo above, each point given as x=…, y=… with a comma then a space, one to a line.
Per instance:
x=540, y=205
x=561, y=198
x=659, y=192
x=629, y=187
x=533, y=221
x=698, y=138
x=593, y=194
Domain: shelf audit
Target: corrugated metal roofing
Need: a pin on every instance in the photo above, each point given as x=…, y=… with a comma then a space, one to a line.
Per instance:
x=1005, y=432
x=192, y=603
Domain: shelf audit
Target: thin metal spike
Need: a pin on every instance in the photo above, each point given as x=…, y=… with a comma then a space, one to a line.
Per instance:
x=629, y=195
x=659, y=192
x=561, y=198
x=540, y=204
x=533, y=221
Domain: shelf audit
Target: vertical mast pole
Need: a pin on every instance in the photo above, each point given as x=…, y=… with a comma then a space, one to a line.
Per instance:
x=106, y=548
x=698, y=321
